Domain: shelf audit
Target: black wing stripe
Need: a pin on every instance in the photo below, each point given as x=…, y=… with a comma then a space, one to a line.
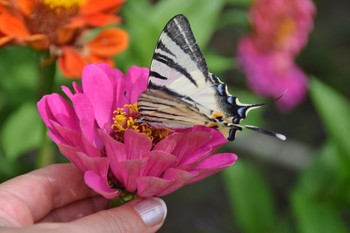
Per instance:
x=157, y=75
x=163, y=48
x=174, y=65
x=179, y=30
x=163, y=119
x=171, y=93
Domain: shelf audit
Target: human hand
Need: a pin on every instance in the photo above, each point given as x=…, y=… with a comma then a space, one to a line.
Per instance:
x=55, y=199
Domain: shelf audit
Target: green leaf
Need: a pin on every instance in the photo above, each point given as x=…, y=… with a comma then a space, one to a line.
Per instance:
x=21, y=131
x=18, y=70
x=251, y=199
x=320, y=179
x=316, y=216
x=236, y=17
x=144, y=30
x=219, y=64
x=334, y=109
x=239, y=2
x=8, y=169
x=143, y=35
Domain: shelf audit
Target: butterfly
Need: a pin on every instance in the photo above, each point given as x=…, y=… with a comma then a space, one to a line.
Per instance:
x=182, y=93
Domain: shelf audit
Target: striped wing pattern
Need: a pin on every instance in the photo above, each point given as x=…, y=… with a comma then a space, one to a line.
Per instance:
x=182, y=92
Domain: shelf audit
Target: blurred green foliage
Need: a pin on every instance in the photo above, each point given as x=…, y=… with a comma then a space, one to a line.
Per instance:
x=252, y=196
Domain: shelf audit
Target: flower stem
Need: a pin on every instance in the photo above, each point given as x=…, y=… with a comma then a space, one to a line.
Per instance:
x=46, y=70
x=123, y=198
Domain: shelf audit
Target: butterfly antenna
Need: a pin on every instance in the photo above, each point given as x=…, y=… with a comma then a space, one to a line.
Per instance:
x=249, y=107
x=253, y=106
x=265, y=131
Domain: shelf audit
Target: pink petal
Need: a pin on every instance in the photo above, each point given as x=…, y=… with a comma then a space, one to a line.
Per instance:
x=138, y=144
x=271, y=74
x=116, y=77
x=116, y=151
x=180, y=177
x=183, y=145
x=84, y=162
x=74, y=138
x=217, y=140
x=152, y=186
x=56, y=137
x=77, y=88
x=67, y=135
x=99, y=185
x=68, y=92
x=113, y=74
x=72, y=154
x=157, y=163
x=99, y=89
x=136, y=82
x=128, y=171
x=214, y=164
x=122, y=86
x=85, y=114
x=55, y=107
x=95, y=170
x=91, y=150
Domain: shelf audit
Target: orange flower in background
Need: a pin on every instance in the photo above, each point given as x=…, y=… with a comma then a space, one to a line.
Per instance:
x=60, y=26
x=106, y=44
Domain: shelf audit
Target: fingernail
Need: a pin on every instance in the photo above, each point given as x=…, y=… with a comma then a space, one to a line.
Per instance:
x=152, y=211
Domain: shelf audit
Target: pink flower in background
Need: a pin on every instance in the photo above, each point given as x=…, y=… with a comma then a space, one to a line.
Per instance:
x=281, y=25
x=100, y=134
x=272, y=74
x=280, y=31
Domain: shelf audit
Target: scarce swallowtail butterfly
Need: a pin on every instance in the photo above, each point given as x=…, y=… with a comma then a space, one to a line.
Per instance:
x=182, y=92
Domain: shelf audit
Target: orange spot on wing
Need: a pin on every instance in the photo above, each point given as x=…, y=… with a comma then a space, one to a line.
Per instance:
x=212, y=125
x=216, y=115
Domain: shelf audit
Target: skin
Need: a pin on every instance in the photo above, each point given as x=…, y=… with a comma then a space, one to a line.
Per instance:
x=55, y=199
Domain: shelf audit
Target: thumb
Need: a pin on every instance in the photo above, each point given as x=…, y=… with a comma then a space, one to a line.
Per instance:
x=144, y=216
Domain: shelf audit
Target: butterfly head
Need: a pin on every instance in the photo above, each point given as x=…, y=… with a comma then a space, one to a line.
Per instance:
x=234, y=113
x=240, y=112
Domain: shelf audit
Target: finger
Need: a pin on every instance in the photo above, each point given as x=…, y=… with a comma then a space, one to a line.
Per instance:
x=138, y=216
x=76, y=210
x=28, y=198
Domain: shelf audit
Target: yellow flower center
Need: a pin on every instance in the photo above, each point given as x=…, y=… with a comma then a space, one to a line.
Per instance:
x=286, y=29
x=127, y=118
x=54, y=4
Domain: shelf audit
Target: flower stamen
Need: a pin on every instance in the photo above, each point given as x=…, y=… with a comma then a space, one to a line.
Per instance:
x=54, y=4
x=126, y=118
x=286, y=28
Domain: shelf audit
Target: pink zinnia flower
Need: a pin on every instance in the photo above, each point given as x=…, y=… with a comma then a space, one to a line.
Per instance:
x=281, y=25
x=273, y=74
x=280, y=31
x=119, y=155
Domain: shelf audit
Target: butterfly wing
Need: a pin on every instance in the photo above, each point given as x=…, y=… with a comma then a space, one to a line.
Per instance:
x=177, y=59
x=160, y=109
x=181, y=91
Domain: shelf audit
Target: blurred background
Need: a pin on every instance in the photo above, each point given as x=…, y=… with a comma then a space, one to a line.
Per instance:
x=298, y=185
